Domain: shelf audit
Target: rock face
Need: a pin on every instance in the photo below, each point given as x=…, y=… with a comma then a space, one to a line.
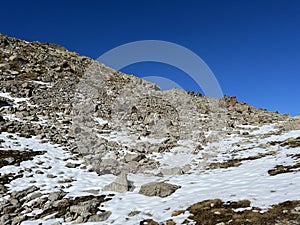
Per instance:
x=160, y=189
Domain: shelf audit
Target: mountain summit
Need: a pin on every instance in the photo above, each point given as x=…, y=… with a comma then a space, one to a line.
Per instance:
x=81, y=142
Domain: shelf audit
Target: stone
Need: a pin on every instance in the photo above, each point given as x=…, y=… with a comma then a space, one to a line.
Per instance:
x=120, y=184
x=61, y=203
x=2, y=189
x=14, y=72
x=14, y=202
x=134, y=157
x=160, y=189
x=10, y=160
x=72, y=165
x=106, y=166
x=79, y=220
x=56, y=196
x=51, y=176
x=21, y=194
x=5, y=219
x=99, y=217
x=82, y=210
x=17, y=220
x=68, y=219
x=171, y=171
x=8, y=210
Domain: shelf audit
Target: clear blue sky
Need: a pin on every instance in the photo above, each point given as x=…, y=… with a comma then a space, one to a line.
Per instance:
x=253, y=47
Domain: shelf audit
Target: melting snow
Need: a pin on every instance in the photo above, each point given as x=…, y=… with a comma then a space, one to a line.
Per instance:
x=248, y=181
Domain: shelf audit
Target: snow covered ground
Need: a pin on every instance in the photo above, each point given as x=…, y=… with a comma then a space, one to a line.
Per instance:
x=51, y=172
x=15, y=100
x=250, y=180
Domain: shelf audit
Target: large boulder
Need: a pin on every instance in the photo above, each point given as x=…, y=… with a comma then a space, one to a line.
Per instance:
x=160, y=189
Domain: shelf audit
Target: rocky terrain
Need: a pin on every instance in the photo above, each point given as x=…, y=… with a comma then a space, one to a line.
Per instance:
x=81, y=143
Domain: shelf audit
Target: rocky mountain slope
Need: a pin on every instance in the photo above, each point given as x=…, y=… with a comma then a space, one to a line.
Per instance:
x=82, y=143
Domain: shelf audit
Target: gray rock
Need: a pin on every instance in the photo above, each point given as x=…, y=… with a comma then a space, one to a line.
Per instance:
x=2, y=189
x=99, y=217
x=56, y=196
x=121, y=184
x=68, y=219
x=21, y=194
x=72, y=165
x=82, y=210
x=79, y=220
x=106, y=166
x=14, y=202
x=8, y=210
x=17, y=220
x=171, y=171
x=160, y=189
x=134, y=157
x=10, y=160
x=61, y=203
x=175, y=170
x=5, y=219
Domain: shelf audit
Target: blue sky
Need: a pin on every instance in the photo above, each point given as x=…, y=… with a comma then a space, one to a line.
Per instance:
x=253, y=47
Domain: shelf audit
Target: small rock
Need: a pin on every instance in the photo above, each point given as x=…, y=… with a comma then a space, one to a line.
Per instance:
x=68, y=180
x=5, y=219
x=68, y=219
x=134, y=157
x=56, y=196
x=34, y=196
x=297, y=209
x=17, y=220
x=172, y=171
x=72, y=165
x=78, y=220
x=10, y=160
x=14, y=202
x=82, y=210
x=99, y=217
x=134, y=213
x=61, y=203
x=39, y=172
x=51, y=176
